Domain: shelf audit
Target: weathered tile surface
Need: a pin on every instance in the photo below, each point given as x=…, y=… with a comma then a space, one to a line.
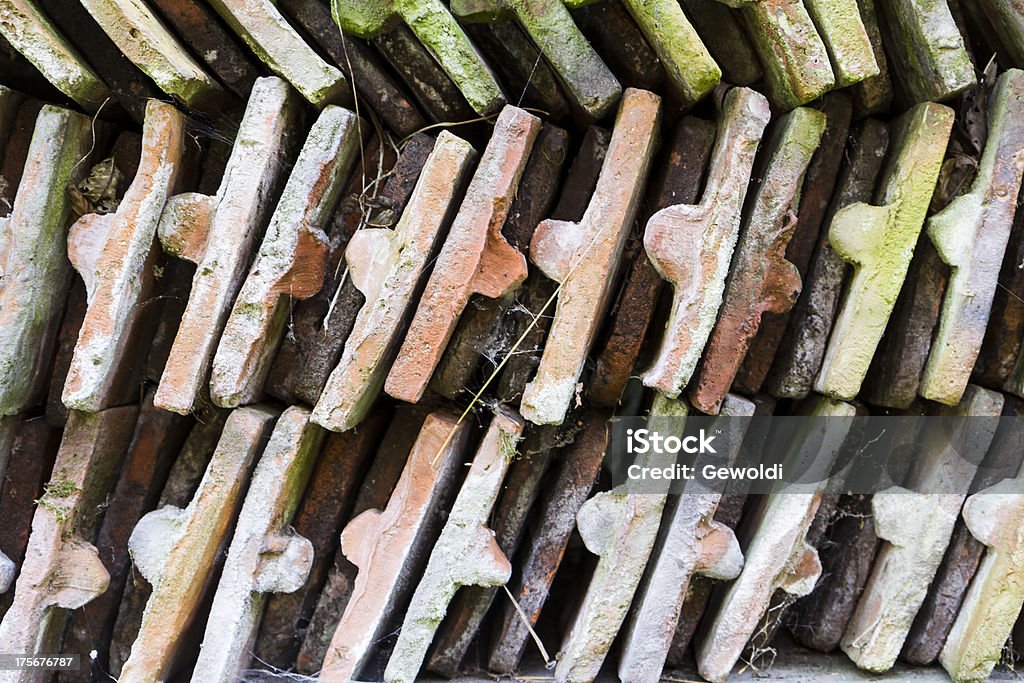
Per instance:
x=328, y=501
x=475, y=258
x=62, y=570
x=388, y=546
x=466, y=553
x=374, y=491
x=144, y=39
x=682, y=235
x=584, y=256
x=879, y=240
x=691, y=543
x=266, y=555
x=815, y=195
x=778, y=556
x=437, y=29
x=372, y=82
x=33, y=256
x=926, y=48
x=916, y=523
x=549, y=24
x=182, y=481
x=158, y=436
x=489, y=328
x=175, y=549
x=217, y=232
x=269, y=35
x=115, y=254
x=803, y=345
x=386, y=266
x=761, y=280
x=34, y=36
x=686, y=61
x=993, y=602
x=637, y=301
x=197, y=22
x=540, y=557
x=290, y=262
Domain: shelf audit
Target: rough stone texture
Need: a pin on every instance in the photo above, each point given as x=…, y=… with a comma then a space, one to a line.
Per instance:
x=926, y=48
x=319, y=325
x=325, y=507
x=795, y=59
x=437, y=29
x=608, y=26
x=971, y=235
x=434, y=91
x=963, y=555
x=841, y=28
x=129, y=86
x=155, y=444
x=994, y=599
x=1005, y=330
x=528, y=325
x=143, y=38
x=388, y=546
x=729, y=513
x=62, y=569
x=778, y=555
x=894, y=375
x=216, y=233
x=686, y=61
x=762, y=280
x=726, y=40
x=182, y=481
x=803, y=345
x=549, y=25
x=175, y=549
x=680, y=236
x=269, y=35
x=488, y=328
x=1010, y=20
x=520, y=68
x=691, y=543
x=916, y=523
x=33, y=445
x=522, y=487
x=290, y=262
x=31, y=33
x=540, y=557
x=874, y=94
x=466, y=553
x=374, y=85
x=680, y=181
x=846, y=548
x=475, y=258
x=115, y=254
x=817, y=190
x=386, y=266
x=584, y=256
x=374, y=490
x=33, y=256
x=224, y=57
x=621, y=529
x=266, y=555
x=878, y=241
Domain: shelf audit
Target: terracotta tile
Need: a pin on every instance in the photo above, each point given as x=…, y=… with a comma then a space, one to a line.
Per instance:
x=761, y=280
x=217, y=232
x=584, y=256
x=115, y=254
x=475, y=258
